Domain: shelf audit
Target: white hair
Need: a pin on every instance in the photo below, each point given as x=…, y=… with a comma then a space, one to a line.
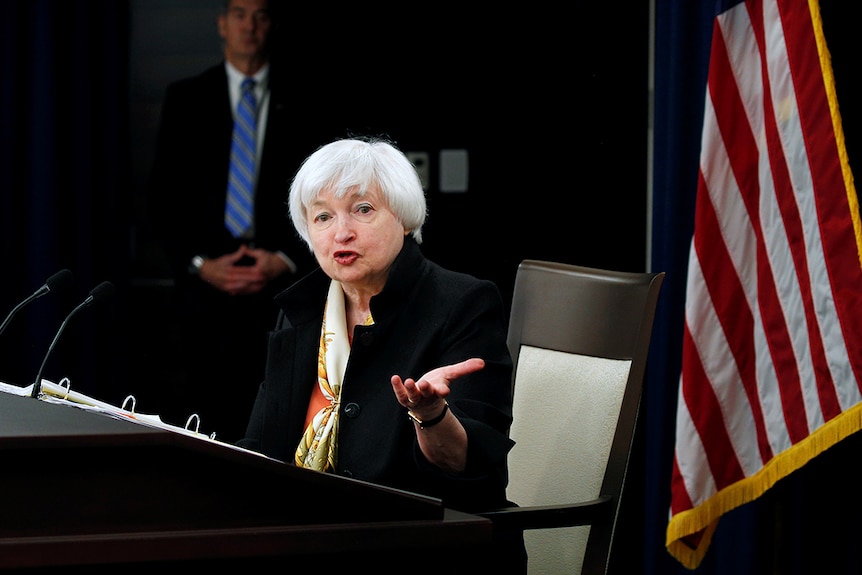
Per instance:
x=353, y=165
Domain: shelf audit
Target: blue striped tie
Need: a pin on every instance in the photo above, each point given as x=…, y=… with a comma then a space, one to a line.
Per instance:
x=240, y=185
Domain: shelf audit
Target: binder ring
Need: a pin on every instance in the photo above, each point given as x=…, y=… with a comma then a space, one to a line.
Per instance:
x=197, y=421
x=129, y=399
x=66, y=384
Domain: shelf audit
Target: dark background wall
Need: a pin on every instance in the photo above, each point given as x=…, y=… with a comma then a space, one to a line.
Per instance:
x=553, y=122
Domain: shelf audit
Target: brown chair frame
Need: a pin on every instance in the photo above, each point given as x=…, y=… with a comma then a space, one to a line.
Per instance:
x=589, y=312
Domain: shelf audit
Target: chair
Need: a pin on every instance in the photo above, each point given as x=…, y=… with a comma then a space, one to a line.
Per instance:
x=579, y=338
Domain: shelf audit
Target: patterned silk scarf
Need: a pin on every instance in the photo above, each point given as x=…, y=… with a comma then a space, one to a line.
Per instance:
x=318, y=448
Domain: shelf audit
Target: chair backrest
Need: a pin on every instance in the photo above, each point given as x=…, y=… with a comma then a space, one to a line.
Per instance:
x=579, y=338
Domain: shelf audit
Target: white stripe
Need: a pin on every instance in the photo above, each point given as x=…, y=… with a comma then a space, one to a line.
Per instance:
x=740, y=240
x=725, y=196
x=720, y=367
x=691, y=457
x=787, y=119
x=745, y=63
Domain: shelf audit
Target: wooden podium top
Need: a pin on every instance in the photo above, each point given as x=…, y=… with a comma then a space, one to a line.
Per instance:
x=85, y=488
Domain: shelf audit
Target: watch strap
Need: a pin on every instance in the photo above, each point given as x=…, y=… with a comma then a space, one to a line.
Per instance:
x=425, y=424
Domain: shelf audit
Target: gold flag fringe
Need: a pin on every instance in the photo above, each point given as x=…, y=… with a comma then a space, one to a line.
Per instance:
x=704, y=517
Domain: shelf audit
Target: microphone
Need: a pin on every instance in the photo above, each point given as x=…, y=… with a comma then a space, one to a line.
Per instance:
x=60, y=281
x=100, y=292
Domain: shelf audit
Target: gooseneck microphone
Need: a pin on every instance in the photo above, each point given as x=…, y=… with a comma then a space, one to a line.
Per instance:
x=100, y=292
x=58, y=282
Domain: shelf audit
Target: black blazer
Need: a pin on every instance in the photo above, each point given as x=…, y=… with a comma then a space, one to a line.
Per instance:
x=188, y=183
x=424, y=318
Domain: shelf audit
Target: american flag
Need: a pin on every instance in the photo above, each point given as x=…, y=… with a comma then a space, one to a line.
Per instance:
x=772, y=347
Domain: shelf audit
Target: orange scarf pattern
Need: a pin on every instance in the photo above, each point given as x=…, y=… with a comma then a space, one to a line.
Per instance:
x=318, y=448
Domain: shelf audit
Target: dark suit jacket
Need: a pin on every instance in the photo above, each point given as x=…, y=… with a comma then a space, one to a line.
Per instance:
x=189, y=179
x=424, y=318
x=223, y=337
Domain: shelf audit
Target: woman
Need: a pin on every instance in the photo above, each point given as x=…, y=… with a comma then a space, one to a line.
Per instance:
x=384, y=366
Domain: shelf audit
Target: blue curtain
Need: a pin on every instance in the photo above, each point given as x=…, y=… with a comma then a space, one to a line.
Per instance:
x=64, y=115
x=682, y=35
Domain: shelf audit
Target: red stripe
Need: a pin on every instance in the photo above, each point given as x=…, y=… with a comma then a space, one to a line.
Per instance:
x=825, y=386
x=728, y=295
x=739, y=141
x=830, y=192
x=774, y=322
x=827, y=394
x=731, y=306
x=705, y=410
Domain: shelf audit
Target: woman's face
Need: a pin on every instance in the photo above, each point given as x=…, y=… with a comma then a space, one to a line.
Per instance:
x=355, y=239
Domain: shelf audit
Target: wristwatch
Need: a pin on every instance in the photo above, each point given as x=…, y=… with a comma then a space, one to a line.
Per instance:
x=196, y=265
x=431, y=422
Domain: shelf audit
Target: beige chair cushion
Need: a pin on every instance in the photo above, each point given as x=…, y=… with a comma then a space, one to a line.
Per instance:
x=565, y=413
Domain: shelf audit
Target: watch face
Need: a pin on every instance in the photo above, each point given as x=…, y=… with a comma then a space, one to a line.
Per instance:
x=197, y=264
x=413, y=418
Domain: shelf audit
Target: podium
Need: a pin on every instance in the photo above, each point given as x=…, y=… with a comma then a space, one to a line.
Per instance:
x=85, y=489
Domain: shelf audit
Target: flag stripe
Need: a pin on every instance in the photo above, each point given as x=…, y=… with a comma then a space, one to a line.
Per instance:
x=734, y=160
x=738, y=32
x=726, y=295
x=700, y=398
x=772, y=353
x=789, y=160
x=774, y=346
x=839, y=264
